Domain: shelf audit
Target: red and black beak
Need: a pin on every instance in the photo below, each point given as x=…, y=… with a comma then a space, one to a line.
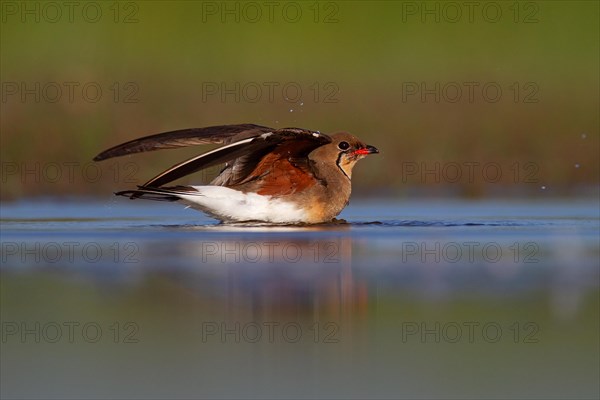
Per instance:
x=366, y=150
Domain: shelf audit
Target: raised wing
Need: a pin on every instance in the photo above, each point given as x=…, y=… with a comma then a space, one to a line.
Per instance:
x=185, y=137
x=253, y=156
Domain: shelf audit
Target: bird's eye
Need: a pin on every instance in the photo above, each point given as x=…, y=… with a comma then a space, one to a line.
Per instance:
x=344, y=145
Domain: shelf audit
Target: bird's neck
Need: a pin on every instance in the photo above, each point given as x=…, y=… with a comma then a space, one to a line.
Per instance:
x=336, y=185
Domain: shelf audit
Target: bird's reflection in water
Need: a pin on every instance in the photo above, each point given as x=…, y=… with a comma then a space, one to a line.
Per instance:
x=292, y=276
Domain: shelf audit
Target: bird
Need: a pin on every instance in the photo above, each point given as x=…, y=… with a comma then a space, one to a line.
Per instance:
x=280, y=176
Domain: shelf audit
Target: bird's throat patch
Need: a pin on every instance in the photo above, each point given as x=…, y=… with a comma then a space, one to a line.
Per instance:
x=345, y=165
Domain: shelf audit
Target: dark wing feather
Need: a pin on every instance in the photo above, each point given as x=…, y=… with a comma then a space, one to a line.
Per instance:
x=185, y=137
x=299, y=142
x=206, y=160
x=241, y=169
x=237, y=170
x=158, y=194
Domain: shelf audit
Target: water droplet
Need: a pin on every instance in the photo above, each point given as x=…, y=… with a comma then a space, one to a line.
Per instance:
x=291, y=110
x=302, y=103
x=543, y=187
x=576, y=165
x=583, y=135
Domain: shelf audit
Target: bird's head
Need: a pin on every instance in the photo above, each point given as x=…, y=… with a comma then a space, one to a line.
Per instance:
x=344, y=150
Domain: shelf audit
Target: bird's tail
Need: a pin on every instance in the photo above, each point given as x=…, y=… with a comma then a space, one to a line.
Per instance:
x=171, y=193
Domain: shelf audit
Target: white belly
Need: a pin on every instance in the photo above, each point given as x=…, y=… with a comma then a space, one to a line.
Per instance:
x=234, y=206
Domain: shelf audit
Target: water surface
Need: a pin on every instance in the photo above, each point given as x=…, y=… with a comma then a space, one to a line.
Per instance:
x=436, y=299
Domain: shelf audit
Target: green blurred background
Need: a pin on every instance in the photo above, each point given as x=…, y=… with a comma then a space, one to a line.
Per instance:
x=162, y=66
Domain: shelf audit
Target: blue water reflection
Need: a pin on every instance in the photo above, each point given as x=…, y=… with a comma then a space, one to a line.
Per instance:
x=404, y=300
